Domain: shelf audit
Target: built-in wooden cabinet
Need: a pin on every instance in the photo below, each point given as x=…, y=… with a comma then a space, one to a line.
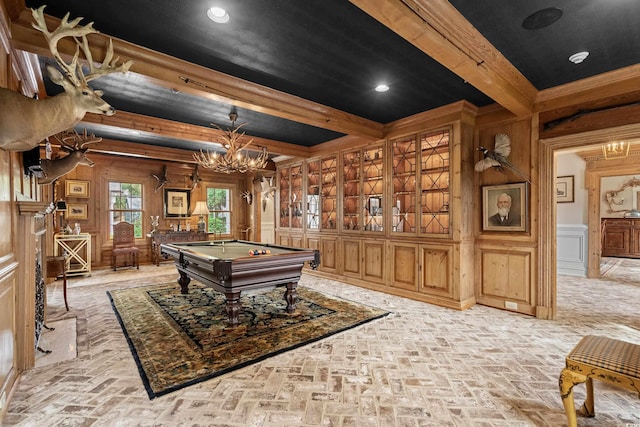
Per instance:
x=381, y=218
x=424, y=268
x=621, y=237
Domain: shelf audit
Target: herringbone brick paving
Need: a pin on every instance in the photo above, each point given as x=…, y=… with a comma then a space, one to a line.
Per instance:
x=423, y=365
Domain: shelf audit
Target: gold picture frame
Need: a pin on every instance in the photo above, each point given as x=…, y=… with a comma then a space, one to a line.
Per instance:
x=77, y=211
x=177, y=202
x=565, y=192
x=516, y=218
x=77, y=188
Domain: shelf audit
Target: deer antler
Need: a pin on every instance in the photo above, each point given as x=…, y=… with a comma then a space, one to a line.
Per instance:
x=70, y=29
x=109, y=65
x=79, y=142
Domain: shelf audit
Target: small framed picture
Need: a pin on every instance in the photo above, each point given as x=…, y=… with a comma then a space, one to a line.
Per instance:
x=77, y=211
x=374, y=206
x=176, y=202
x=504, y=207
x=75, y=188
x=564, y=189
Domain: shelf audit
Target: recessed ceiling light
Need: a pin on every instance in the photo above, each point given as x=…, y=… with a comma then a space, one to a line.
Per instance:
x=218, y=15
x=577, y=58
x=382, y=88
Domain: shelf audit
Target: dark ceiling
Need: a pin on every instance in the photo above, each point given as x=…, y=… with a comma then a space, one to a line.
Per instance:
x=333, y=53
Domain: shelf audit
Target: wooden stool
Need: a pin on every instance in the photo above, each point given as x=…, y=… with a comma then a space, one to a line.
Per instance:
x=57, y=266
x=613, y=361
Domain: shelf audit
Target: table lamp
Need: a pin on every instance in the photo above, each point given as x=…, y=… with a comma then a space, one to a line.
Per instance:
x=201, y=210
x=61, y=206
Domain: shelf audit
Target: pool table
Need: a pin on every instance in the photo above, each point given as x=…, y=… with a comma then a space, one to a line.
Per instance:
x=231, y=266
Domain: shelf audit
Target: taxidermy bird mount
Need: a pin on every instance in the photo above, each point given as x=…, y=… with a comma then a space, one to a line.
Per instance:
x=498, y=157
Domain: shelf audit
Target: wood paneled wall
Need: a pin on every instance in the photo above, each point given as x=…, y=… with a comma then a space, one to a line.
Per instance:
x=122, y=169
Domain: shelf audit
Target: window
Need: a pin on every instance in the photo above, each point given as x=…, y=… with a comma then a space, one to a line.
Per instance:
x=125, y=204
x=219, y=205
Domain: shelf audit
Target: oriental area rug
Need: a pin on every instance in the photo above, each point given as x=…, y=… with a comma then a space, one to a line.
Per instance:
x=181, y=339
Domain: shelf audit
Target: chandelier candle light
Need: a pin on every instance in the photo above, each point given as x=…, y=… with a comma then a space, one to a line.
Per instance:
x=614, y=150
x=234, y=160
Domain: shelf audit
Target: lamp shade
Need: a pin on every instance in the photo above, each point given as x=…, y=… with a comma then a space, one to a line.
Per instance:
x=61, y=205
x=201, y=209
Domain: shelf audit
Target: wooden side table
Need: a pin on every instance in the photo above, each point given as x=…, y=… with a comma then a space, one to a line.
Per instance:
x=77, y=249
x=56, y=267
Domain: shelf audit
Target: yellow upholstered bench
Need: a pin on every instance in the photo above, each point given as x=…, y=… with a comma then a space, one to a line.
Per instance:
x=614, y=361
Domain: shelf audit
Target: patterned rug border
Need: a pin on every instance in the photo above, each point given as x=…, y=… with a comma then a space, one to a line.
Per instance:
x=140, y=365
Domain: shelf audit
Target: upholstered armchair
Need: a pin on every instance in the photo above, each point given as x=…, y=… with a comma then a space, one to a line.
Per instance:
x=124, y=243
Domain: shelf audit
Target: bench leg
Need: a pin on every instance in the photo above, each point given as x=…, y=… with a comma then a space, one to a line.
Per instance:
x=588, y=408
x=568, y=379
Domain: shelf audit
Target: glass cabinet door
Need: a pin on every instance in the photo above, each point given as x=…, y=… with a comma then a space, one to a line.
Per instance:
x=351, y=190
x=328, y=193
x=313, y=195
x=285, y=193
x=404, y=189
x=296, y=196
x=421, y=194
x=373, y=188
x=434, y=182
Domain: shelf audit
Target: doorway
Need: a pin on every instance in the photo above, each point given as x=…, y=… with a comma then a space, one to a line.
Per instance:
x=547, y=250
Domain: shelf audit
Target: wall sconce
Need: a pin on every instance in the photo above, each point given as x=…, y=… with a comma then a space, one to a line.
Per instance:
x=201, y=210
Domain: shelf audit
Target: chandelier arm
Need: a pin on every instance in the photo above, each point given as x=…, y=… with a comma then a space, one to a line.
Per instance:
x=233, y=160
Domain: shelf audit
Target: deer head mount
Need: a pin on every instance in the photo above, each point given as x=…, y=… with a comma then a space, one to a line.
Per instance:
x=195, y=178
x=161, y=178
x=266, y=187
x=76, y=146
x=248, y=196
x=25, y=122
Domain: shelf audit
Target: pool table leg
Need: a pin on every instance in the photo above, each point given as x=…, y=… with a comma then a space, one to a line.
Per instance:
x=184, y=281
x=233, y=307
x=291, y=296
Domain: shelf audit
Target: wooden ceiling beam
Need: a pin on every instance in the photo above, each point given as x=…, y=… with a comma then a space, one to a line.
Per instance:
x=188, y=132
x=439, y=30
x=195, y=79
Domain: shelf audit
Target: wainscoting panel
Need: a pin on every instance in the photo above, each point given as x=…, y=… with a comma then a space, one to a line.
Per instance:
x=572, y=247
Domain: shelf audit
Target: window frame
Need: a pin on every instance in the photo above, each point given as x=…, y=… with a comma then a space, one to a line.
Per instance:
x=212, y=212
x=122, y=213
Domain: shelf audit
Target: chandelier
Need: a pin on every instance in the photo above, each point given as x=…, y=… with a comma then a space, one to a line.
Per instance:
x=235, y=159
x=615, y=150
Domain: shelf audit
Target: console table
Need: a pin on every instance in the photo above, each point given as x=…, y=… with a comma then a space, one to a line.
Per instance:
x=160, y=237
x=77, y=248
x=621, y=237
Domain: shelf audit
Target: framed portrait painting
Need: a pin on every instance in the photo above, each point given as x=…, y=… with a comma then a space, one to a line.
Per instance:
x=564, y=189
x=76, y=188
x=176, y=202
x=504, y=207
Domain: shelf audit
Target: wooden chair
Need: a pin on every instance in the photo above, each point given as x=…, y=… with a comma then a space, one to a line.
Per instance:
x=124, y=244
x=56, y=267
x=606, y=359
